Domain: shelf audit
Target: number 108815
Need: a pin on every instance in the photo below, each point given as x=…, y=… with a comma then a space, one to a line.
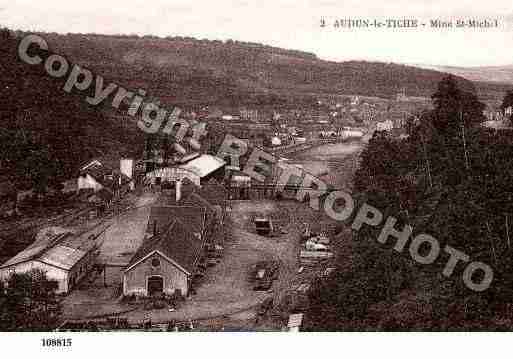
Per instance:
x=56, y=342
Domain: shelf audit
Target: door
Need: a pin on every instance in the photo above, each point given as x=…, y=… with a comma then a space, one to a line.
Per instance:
x=155, y=285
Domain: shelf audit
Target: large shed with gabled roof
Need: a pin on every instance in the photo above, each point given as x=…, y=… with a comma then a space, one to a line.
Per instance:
x=165, y=263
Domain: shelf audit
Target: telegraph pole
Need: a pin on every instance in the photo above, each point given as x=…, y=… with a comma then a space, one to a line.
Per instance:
x=467, y=166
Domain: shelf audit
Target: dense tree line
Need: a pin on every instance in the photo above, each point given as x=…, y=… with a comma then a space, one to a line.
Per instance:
x=46, y=133
x=507, y=103
x=450, y=178
x=28, y=302
x=187, y=71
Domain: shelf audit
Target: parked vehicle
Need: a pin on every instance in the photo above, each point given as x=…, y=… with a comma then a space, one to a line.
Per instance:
x=312, y=245
x=266, y=305
x=264, y=274
x=263, y=226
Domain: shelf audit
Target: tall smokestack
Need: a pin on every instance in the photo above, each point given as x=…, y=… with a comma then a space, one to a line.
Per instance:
x=178, y=187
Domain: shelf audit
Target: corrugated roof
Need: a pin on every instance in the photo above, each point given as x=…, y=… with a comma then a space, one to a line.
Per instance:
x=25, y=255
x=58, y=247
x=204, y=165
x=62, y=256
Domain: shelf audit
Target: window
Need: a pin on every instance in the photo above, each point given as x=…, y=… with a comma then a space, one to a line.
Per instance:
x=155, y=262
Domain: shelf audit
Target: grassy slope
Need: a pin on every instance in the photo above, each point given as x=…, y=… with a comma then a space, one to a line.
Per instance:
x=188, y=71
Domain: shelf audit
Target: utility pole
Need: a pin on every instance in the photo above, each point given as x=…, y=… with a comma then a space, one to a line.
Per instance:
x=507, y=231
x=464, y=140
x=427, y=160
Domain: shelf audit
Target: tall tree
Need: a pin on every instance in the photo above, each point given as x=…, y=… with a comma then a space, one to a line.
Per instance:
x=43, y=130
x=454, y=107
x=507, y=103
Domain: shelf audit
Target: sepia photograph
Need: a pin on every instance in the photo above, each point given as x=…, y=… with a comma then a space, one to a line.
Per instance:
x=337, y=170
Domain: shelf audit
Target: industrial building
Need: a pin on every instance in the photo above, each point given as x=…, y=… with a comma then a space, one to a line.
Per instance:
x=198, y=170
x=64, y=256
x=165, y=263
x=98, y=175
x=178, y=234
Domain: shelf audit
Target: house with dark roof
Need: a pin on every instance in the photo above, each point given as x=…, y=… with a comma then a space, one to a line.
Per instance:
x=194, y=217
x=177, y=237
x=166, y=262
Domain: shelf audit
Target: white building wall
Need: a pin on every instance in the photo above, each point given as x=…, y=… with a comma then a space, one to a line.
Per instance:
x=85, y=182
x=136, y=279
x=385, y=126
x=173, y=174
x=351, y=133
x=126, y=166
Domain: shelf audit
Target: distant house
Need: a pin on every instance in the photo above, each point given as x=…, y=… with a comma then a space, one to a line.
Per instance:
x=63, y=256
x=387, y=125
x=401, y=96
x=239, y=185
x=97, y=176
x=293, y=131
x=355, y=101
x=351, y=133
x=249, y=115
x=327, y=133
x=275, y=141
x=498, y=125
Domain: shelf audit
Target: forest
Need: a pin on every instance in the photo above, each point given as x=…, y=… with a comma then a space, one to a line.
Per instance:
x=450, y=178
x=46, y=133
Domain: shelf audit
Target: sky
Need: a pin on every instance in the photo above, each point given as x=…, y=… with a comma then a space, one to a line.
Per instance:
x=291, y=24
